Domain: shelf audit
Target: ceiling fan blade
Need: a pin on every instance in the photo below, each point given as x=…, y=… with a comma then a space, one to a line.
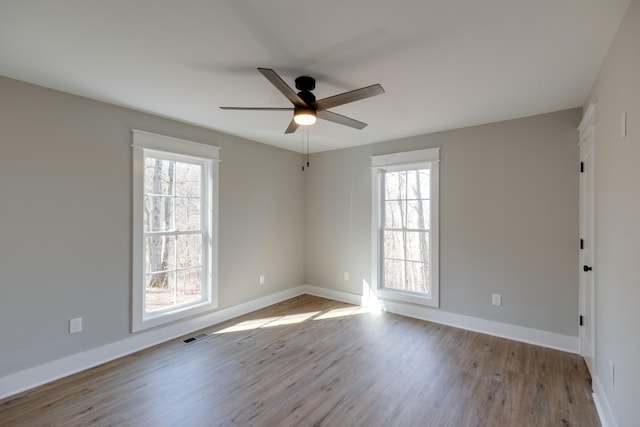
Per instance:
x=340, y=119
x=257, y=108
x=347, y=97
x=293, y=126
x=280, y=84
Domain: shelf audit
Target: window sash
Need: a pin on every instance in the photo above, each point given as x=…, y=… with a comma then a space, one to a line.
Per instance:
x=204, y=286
x=405, y=259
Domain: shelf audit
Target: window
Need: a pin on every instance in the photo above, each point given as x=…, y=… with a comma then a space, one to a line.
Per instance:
x=405, y=222
x=175, y=229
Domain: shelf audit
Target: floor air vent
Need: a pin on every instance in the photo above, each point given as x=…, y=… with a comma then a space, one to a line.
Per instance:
x=196, y=338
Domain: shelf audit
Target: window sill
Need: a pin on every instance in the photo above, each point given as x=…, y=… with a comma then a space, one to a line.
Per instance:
x=403, y=296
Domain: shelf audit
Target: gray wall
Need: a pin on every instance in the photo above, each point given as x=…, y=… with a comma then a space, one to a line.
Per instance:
x=65, y=220
x=508, y=219
x=617, y=221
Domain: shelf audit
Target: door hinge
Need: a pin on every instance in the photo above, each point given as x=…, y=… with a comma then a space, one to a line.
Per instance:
x=581, y=320
x=581, y=167
x=581, y=243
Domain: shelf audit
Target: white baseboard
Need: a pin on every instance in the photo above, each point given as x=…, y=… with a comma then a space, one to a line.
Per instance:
x=50, y=371
x=476, y=324
x=332, y=294
x=602, y=404
x=47, y=372
x=504, y=330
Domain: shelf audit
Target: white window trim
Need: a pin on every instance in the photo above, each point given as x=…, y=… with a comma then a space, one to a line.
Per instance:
x=150, y=143
x=399, y=161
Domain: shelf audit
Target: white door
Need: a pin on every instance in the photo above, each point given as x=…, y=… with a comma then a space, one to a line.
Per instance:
x=587, y=277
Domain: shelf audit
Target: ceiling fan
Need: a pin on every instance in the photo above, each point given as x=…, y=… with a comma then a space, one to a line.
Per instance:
x=305, y=107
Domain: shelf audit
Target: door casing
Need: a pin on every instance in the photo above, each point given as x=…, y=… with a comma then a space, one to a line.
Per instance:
x=587, y=292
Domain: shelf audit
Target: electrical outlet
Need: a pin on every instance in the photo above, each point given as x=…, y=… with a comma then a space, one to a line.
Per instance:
x=75, y=325
x=346, y=276
x=496, y=299
x=262, y=279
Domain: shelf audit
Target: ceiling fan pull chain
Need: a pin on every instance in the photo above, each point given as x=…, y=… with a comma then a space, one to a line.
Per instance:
x=302, y=151
x=307, y=147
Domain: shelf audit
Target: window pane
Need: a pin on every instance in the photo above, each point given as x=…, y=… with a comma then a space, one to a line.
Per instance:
x=158, y=213
x=417, y=246
x=394, y=215
x=159, y=290
x=189, y=250
x=395, y=185
x=187, y=213
x=393, y=245
x=419, y=184
x=393, y=274
x=189, y=286
x=417, y=277
x=418, y=214
x=160, y=253
x=188, y=178
x=158, y=176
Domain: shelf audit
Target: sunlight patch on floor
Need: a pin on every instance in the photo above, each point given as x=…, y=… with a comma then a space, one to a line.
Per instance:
x=292, y=319
x=342, y=312
x=268, y=322
x=247, y=325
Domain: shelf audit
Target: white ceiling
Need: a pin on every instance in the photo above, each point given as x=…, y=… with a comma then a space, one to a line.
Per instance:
x=444, y=63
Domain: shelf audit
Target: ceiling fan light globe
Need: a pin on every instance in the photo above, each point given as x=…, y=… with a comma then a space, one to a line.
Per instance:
x=305, y=117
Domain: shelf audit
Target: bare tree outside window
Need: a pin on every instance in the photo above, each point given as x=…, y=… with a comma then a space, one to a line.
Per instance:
x=173, y=234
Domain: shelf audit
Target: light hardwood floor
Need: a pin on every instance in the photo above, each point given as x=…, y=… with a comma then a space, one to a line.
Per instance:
x=310, y=361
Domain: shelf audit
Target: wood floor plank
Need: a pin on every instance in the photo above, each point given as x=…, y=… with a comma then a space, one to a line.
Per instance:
x=310, y=361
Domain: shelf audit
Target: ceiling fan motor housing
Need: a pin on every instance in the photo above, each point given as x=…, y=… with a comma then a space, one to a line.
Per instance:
x=305, y=85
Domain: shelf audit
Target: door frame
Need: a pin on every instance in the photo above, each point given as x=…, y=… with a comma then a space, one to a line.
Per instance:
x=587, y=284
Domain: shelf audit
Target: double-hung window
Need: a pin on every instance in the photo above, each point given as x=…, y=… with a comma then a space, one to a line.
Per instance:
x=174, y=224
x=405, y=222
